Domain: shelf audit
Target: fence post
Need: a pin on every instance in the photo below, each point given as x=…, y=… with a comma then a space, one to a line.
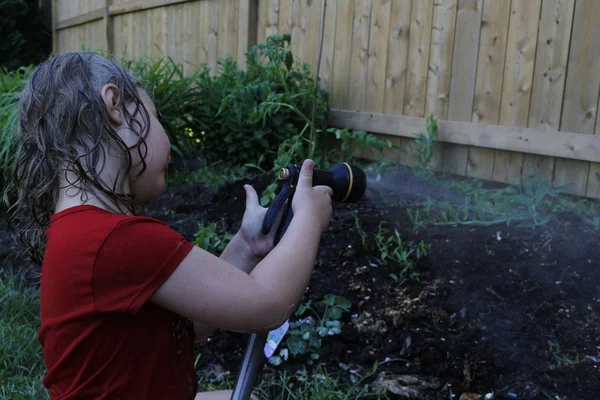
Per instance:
x=247, y=32
x=55, y=48
x=109, y=32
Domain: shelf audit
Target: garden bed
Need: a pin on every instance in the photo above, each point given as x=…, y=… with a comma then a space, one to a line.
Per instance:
x=513, y=311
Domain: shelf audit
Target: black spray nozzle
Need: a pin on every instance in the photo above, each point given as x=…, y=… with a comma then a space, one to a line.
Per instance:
x=347, y=181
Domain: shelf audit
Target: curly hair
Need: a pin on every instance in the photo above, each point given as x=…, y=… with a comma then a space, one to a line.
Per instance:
x=64, y=137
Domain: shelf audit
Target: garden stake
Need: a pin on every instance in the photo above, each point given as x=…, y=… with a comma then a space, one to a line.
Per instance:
x=349, y=184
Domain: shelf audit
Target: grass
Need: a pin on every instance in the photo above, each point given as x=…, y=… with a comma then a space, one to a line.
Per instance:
x=22, y=367
x=21, y=364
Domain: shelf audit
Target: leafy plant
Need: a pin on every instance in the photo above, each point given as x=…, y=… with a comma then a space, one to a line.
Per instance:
x=305, y=335
x=177, y=96
x=424, y=146
x=248, y=114
x=406, y=255
x=361, y=232
x=210, y=240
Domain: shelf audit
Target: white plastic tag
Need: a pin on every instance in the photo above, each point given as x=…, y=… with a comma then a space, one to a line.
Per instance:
x=274, y=338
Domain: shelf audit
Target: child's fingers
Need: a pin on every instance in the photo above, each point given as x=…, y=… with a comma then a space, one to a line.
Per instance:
x=306, y=174
x=251, y=197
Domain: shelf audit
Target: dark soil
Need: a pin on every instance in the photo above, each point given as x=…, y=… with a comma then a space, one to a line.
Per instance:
x=503, y=310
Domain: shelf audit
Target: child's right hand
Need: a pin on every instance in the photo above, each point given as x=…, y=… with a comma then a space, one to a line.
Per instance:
x=312, y=203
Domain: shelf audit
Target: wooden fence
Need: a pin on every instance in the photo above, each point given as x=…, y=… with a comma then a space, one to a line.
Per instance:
x=514, y=83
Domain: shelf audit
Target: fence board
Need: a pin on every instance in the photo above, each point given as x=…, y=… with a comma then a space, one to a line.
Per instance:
x=488, y=86
x=549, y=78
x=341, y=60
x=327, y=60
x=440, y=58
x=518, y=79
x=359, y=54
x=581, y=91
x=440, y=62
x=227, y=31
x=285, y=16
x=314, y=11
x=298, y=29
x=570, y=145
x=418, y=58
x=377, y=60
x=462, y=84
x=397, y=56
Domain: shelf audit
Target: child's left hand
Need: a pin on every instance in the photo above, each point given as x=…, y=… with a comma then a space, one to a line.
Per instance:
x=251, y=229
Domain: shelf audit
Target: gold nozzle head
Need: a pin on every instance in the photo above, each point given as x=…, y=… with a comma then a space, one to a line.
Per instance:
x=284, y=173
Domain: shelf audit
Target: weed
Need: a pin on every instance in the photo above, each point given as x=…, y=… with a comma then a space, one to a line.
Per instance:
x=406, y=255
x=210, y=240
x=415, y=217
x=361, y=233
x=561, y=360
x=424, y=147
x=321, y=384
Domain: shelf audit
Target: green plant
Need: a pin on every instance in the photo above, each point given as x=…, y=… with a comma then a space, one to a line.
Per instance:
x=305, y=335
x=424, y=146
x=11, y=85
x=406, y=255
x=415, y=217
x=210, y=239
x=353, y=140
x=361, y=232
x=322, y=384
x=21, y=363
x=177, y=96
x=248, y=114
x=554, y=348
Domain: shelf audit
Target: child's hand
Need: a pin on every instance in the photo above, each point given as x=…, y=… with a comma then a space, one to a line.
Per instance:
x=312, y=203
x=251, y=230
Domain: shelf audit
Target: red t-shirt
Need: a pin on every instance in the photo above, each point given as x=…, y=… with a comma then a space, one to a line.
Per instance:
x=101, y=336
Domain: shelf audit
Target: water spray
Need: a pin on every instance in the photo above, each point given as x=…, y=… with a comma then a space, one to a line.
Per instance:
x=348, y=183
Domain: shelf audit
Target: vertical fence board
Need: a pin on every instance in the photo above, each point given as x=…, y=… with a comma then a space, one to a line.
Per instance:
x=211, y=27
x=518, y=80
x=440, y=67
x=341, y=60
x=488, y=86
x=581, y=91
x=273, y=18
x=298, y=29
x=327, y=60
x=549, y=78
x=440, y=58
x=314, y=11
x=285, y=16
x=397, y=56
x=377, y=60
x=227, y=33
x=418, y=58
x=462, y=83
x=359, y=54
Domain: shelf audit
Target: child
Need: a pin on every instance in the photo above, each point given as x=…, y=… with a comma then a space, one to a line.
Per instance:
x=123, y=297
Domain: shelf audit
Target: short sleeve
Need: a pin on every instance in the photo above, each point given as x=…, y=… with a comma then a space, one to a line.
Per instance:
x=134, y=260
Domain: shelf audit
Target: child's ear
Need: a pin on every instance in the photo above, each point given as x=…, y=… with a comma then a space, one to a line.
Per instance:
x=110, y=96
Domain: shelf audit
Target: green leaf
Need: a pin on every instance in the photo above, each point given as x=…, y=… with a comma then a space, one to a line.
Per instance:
x=295, y=345
x=275, y=360
x=289, y=60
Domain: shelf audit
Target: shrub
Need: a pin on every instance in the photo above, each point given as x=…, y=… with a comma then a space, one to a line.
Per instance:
x=248, y=116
